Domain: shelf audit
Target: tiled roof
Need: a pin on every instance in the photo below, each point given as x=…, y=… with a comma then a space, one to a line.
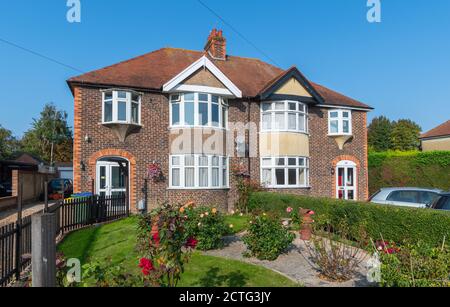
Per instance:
x=442, y=130
x=152, y=70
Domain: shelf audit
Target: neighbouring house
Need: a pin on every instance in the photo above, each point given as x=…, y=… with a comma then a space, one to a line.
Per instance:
x=64, y=170
x=177, y=125
x=28, y=158
x=437, y=138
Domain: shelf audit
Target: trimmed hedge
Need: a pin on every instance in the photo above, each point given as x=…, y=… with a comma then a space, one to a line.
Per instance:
x=413, y=169
x=392, y=223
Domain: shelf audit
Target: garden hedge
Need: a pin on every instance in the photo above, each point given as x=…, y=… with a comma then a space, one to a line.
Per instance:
x=395, y=224
x=409, y=169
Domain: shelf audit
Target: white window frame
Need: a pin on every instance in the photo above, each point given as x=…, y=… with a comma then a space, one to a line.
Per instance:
x=181, y=101
x=298, y=112
x=221, y=167
x=340, y=119
x=273, y=167
x=115, y=107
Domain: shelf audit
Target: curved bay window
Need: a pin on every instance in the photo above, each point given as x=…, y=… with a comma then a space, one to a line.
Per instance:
x=121, y=107
x=291, y=116
x=285, y=172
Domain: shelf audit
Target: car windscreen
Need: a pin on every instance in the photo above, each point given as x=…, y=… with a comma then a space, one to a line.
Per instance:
x=444, y=203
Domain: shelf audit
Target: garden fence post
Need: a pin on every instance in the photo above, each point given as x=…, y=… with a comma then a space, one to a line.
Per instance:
x=18, y=251
x=43, y=250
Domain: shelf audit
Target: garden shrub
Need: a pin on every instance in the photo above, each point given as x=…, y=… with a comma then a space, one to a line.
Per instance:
x=267, y=238
x=392, y=223
x=414, y=169
x=207, y=226
x=416, y=265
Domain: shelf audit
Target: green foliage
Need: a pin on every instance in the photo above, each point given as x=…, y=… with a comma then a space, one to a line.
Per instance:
x=207, y=226
x=412, y=168
x=405, y=135
x=266, y=238
x=393, y=223
x=8, y=144
x=416, y=265
x=379, y=133
x=106, y=275
x=50, y=127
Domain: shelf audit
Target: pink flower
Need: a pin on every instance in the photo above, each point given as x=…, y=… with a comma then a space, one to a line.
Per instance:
x=311, y=213
x=289, y=210
x=156, y=239
x=191, y=243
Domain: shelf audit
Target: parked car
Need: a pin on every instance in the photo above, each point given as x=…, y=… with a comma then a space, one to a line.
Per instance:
x=55, y=188
x=442, y=202
x=405, y=197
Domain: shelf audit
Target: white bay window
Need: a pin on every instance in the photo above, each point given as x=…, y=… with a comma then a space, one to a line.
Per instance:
x=122, y=107
x=198, y=110
x=198, y=172
x=340, y=122
x=284, y=116
x=285, y=172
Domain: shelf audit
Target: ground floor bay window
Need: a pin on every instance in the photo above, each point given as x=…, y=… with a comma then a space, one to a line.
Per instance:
x=199, y=172
x=285, y=172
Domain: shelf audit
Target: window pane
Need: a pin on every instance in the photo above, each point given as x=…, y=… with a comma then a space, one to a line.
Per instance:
x=175, y=114
x=176, y=177
x=203, y=97
x=301, y=122
x=203, y=114
x=215, y=177
x=267, y=121
x=203, y=161
x=203, y=177
x=215, y=115
x=215, y=99
x=176, y=161
x=108, y=96
x=175, y=98
x=302, y=177
x=267, y=162
x=280, y=162
x=301, y=107
x=225, y=177
x=189, y=177
x=279, y=106
x=292, y=161
x=189, y=113
x=122, y=111
x=135, y=97
x=189, y=160
x=108, y=111
x=280, y=176
x=292, y=119
x=135, y=113
x=117, y=178
x=266, y=107
x=334, y=114
x=215, y=161
x=224, y=117
x=189, y=97
x=292, y=174
x=301, y=161
x=292, y=106
x=334, y=126
x=122, y=95
x=279, y=121
x=346, y=126
x=345, y=114
x=267, y=177
x=102, y=177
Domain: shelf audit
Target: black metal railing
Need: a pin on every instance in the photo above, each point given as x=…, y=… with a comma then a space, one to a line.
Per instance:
x=71, y=215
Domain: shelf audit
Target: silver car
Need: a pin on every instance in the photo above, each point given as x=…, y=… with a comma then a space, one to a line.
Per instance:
x=406, y=197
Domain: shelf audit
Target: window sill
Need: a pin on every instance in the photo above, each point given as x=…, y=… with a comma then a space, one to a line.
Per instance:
x=198, y=189
x=197, y=127
x=339, y=134
x=286, y=131
x=288, y=188
x=121, y=123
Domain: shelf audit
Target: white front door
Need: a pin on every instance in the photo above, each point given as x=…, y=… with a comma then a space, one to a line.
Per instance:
x=110, y=179
x=346, y=180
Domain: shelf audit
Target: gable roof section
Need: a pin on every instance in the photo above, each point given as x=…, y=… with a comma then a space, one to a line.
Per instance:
x=284, y=77
x=439, y=131
x=203, y=62
x=153, y=70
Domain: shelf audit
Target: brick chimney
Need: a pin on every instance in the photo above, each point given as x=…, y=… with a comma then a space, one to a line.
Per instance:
x=216, y=46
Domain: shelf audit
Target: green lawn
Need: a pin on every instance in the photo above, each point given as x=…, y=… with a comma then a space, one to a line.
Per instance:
x=116, y=242
x=240, y=223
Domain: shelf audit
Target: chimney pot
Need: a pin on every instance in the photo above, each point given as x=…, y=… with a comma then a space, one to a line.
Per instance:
x=216, y=45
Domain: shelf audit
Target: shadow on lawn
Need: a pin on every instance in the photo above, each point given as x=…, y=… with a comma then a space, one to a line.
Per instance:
x=214, y=279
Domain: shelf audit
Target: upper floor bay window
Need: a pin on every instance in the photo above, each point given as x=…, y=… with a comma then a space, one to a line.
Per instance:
x=123, y=107
x=340, y=122
x=284, y=116
x=198, y=172
x=198, y=110
x=285, y=172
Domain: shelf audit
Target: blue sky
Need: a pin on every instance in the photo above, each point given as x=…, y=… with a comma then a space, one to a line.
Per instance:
x=399, y=66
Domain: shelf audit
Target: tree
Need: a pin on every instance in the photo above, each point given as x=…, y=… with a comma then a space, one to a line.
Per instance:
x=51, y=137
x=380, y=131
x=405, y=135
x=8, y=144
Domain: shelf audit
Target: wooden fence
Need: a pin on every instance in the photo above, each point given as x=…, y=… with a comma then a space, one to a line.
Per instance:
x=71, y=215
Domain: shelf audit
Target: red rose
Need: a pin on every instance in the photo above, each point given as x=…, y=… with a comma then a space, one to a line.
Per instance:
x=156, y=239
x=146, y=265
x=191, y=243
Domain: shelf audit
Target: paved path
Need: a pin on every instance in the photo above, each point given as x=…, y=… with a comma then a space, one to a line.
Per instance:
x=293, y=264
x=10, y=216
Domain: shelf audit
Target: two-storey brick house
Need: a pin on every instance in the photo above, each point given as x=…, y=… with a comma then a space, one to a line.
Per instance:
x=200, y=114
